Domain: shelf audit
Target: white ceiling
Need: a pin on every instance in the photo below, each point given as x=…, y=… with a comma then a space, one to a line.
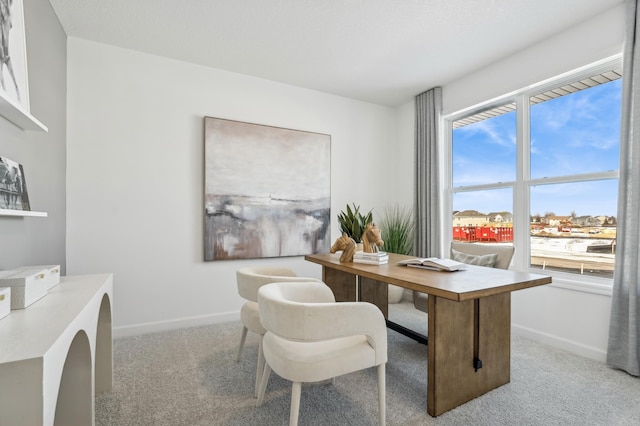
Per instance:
x=380, y=51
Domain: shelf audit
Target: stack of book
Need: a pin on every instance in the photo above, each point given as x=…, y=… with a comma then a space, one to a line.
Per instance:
x=378, y=258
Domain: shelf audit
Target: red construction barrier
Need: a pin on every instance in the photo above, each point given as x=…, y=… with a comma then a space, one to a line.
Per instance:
x=498, y=234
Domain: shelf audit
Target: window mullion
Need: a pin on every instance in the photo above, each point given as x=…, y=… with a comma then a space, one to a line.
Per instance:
x=521, y=196
x=584, y=177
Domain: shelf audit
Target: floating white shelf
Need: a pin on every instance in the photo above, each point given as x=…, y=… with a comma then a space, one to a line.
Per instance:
x=16, y=114
x=5, y=212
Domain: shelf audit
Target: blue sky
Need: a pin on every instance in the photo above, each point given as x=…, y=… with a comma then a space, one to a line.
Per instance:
x=573, y=134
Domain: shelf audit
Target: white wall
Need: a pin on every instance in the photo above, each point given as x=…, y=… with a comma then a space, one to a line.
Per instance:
x=35, y=240
x=584, y=44
x=574, y=320
x=135, y=175
x=404, y=144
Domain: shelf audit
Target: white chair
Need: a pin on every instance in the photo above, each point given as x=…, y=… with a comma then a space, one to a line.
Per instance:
x=311, y=338
x=249, y=280
x=491, y=255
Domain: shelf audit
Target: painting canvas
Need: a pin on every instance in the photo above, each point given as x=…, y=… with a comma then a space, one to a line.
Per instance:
x=13, y=186
x=13, y=53
x=267, y=191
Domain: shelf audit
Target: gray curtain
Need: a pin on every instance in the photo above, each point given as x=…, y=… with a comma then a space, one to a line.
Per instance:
x=427, y=202
x=624, y=330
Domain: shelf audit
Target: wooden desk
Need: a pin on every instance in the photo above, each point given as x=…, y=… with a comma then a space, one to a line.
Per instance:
x=469, y=319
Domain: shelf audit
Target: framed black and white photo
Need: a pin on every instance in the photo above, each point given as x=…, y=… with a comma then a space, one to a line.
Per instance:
x=13, y=186
x=13, y=54
x=267, y=191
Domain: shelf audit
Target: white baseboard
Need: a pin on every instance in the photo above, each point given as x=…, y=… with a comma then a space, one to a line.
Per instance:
x=548, y=339
x=153, y=327
x=560, y=343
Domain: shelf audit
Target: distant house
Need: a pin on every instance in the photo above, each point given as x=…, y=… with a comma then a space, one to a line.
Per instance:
x=470, y=218
x=585, y=221
x=500, y=217
x=558, y=220
x=606, y=220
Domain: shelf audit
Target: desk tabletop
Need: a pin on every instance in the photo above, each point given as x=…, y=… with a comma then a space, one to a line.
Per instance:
x=470, y=283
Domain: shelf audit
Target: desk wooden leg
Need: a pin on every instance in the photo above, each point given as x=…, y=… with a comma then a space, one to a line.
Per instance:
x=341, y=283
x=452, y=379
x=344, y=289
x=375, y=292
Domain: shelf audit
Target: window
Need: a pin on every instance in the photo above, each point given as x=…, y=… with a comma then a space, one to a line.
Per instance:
x=485, y=151
x=540, y=170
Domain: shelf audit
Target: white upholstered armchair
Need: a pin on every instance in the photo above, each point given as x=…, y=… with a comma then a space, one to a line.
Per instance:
x=311, y=338
x=249, y=280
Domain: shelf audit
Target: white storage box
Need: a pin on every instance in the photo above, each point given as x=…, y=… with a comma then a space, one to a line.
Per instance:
x=53, y=274
x=5, y=301
x=27, y=286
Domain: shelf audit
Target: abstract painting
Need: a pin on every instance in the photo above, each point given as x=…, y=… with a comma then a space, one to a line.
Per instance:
x=13, y=54
x=267, y=191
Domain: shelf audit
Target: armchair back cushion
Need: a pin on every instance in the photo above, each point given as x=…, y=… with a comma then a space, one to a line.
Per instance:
x=252, y=278
x=307, y=312
x=503, y=254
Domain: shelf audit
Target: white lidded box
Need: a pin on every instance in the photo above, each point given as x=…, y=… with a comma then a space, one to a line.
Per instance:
x=52, y=274
x=27, y=286
x=5, y=301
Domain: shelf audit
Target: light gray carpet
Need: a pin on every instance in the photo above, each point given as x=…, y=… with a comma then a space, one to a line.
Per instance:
x=190, y=377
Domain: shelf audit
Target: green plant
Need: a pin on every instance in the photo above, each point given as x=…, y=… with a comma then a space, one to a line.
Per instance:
x=398, y=229
x=353, y=222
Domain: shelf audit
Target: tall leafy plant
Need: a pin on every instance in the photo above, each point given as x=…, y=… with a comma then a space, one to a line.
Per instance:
x=353, y=222
x=398, y=229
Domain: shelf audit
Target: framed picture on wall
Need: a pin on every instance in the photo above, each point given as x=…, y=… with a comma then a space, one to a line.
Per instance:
x=267, y=191
x=13, y=54
x=13, y=186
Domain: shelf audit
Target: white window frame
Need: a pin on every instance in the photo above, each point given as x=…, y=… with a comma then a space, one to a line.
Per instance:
x=521, y=186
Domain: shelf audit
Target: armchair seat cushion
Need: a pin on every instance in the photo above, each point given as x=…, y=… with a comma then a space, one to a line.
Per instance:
x=421, y=301
x=315, y=361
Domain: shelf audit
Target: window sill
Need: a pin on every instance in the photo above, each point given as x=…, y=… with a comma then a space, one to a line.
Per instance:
x=603, y=287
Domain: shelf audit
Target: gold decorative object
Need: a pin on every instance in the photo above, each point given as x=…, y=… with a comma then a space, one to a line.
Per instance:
x=371, y=239
x=347, y=245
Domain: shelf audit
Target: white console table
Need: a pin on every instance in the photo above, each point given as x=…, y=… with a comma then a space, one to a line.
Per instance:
x=56, y=354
